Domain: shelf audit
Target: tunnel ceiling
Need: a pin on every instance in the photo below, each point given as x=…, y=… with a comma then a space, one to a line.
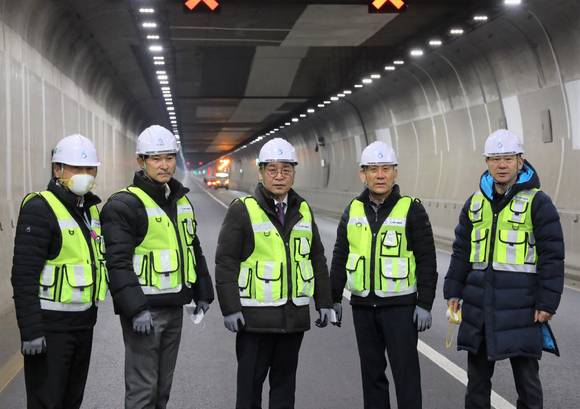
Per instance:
x=252, y=66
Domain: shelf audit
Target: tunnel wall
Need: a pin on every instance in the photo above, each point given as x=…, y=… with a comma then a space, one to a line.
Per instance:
x=53, y=84
x=437, y=111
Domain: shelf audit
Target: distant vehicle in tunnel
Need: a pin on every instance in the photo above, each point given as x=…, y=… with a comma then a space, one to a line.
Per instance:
x=222, y=180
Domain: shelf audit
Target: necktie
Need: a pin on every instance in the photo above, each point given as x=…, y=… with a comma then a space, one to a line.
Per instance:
x=280, y=212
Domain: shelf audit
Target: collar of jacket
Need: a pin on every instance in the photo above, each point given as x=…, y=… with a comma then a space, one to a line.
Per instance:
x=70, y=199
x=393, y=197
x=527, y=179
x=157, y=190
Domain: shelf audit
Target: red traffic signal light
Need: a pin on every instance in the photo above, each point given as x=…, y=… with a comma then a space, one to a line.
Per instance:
x=187, y=163
x=201, y=163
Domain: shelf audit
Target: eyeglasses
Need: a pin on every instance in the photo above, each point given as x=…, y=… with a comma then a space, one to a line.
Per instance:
x=273, y=172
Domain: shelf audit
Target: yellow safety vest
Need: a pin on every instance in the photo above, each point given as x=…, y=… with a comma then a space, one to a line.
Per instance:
x=394, y=265
x=165, y=259
x=506, y=240
x=76, y=278
x=277, y=271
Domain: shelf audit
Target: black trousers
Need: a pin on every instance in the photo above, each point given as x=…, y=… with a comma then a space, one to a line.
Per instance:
x=390, y=328
x=480, y=371
x=56, y=379
x=259, y=353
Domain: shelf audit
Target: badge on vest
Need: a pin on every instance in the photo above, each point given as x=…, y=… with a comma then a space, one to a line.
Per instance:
x=396, y=221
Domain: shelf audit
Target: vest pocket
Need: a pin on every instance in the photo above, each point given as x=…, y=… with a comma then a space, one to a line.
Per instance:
x=48, y=280
x=189, y=228
x=512, y=247
x=475, y=213
x=304, y=279
x=391, y=244
x=478, y=245
x=268, y=281
x=164, y=265
x=355, y=271
x=190, y=277
x=244, y=282
x=301, y=248
x=394, y=274
x=79, y=278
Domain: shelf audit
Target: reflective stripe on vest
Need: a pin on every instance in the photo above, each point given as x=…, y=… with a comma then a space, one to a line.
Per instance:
x=76, y=278
x=264, y=277
x=393, y=266
x=514, y=245
x=164, y=259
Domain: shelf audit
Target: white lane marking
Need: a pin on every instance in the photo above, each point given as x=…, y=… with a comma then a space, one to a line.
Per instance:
x=212, y=196
x=496, y=401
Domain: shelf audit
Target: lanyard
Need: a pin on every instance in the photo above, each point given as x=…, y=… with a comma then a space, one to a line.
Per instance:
x=94, y=234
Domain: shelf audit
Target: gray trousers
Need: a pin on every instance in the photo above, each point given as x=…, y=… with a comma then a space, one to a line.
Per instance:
x=150, y=359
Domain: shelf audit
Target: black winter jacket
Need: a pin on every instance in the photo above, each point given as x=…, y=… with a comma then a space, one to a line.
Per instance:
x=38, y=238
x=419, y=241
x=236, y=244
x=125, y=225
x=498, y=306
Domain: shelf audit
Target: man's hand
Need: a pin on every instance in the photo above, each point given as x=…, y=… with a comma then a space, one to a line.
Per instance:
x=542, y=316
x=201, y=306
x=422, y=318
x=454, y=302
x=231, y=321
x=35, y=347
x=337, y=307
x=143, y=322
x=324, y=318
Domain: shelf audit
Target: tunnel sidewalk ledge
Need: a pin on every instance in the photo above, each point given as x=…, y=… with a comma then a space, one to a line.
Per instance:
x=9, y=370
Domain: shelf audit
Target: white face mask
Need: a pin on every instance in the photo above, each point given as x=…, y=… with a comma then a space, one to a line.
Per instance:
x=81, y=184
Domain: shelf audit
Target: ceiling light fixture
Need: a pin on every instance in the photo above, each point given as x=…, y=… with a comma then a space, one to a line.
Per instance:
x=156, y=48
x=347, y=91
x=390, y=68
x=416, y=52
x=160, y=72
x=320, y=105
x=480, y=18
x=152, y=37
x=358, y=86
x=398, y=62
x=159, y=63
x=158, y=57
x=340, y=95
x=513, y=1
x=435, y=42
x=456, y=31
x=164, y=82
x=162, y=77
x=326, y=102
x=287, y=123
x=376, y=76
x=334, y=98
x=367, y=81
x=294, y=119
x=311, y=111
x=149, y=25
x=147, y=10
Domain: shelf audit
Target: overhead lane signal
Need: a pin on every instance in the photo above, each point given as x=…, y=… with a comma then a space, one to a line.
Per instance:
x=387, y=6
x=201, y=6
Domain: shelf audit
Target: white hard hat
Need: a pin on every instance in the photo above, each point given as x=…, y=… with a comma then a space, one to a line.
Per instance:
x=378, y=153
x=156, y=140
x=278, y=150
x=502, y=143
x=75, y=150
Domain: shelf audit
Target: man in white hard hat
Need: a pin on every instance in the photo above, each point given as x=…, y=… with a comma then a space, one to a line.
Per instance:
x=508, y=268
x=385, y=256
x=156, y=265
x=58, y=276
x=269, y=263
